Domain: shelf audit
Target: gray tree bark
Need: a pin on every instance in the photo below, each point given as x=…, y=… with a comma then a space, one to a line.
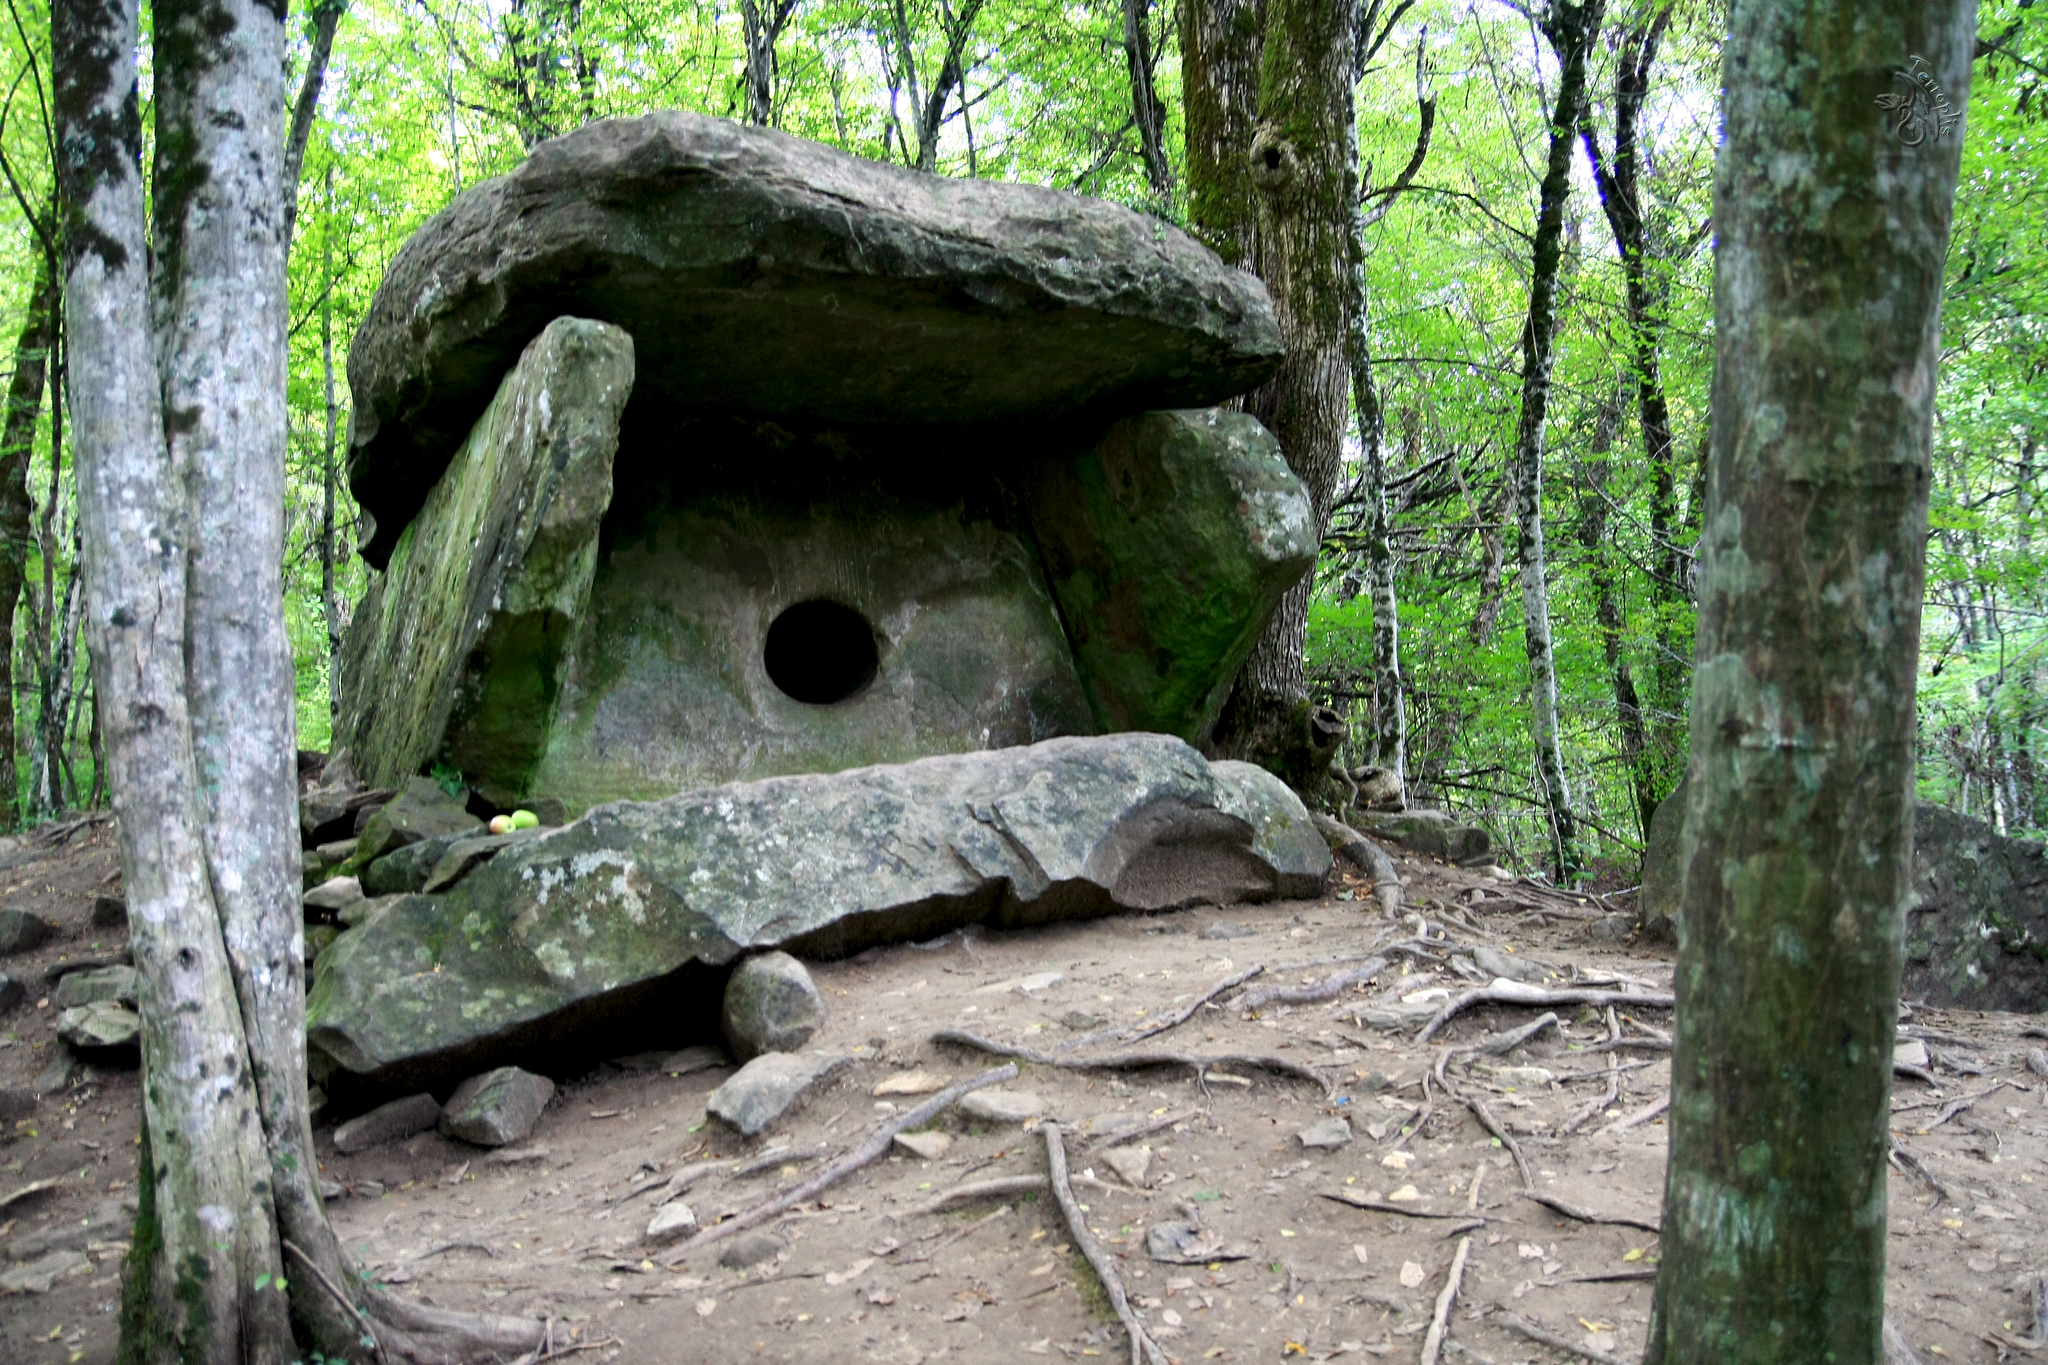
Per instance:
x=326, y=19
x=17, y=448
x=1797, y=834
x=762, y=27
x=1570, y=31
x=1146, y=109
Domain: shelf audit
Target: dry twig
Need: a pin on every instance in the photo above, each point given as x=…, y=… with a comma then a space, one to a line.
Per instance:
x=1433, y=1344
x=1002, y=1187
x=1144, y=1351
x=1359, y=1201
x=1546, y=1337
x=1149, y=1027
x=1120, y=1136
x=1588, y=1216
x=1132, y=1061
x=1327, y=989
x=1636, y=1119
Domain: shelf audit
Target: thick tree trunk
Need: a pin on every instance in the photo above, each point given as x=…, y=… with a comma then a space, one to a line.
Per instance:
x=1794, y=859
x=1570, y=30
x=1221, y=42
x=17, y=448
x=1146, y=110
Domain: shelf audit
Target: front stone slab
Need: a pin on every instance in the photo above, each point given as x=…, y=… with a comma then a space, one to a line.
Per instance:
x=556, y=938
x=1168, y=544
x=456, y=653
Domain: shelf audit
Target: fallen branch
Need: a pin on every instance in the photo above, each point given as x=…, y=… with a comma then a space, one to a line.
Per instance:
x=1132, y=1061
x=1628, y=1044
x=1433, y=1344
x=1150, y=1028
x=871, y=1149
x=1544, y=1336
x=1327, y=989
x=1509, y=1041
x=1514, y=993
x=1137, y=1130
x=1359, y=1201
x=1002, y=1187
x=1144, y=1351
x=1640, y=1116
x=780, y=1156
x=1907, y=1161
x=1588, y=1216
x=1493, y=1126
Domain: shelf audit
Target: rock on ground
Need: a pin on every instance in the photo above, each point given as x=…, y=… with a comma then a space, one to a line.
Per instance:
x=101, y=1024
x=12, y=993
x=671, y=1222
x=20, y=931
x=496, y=1108
x=388, y=1123
x=1326, y=1136
x=771, y=1005
x=864, y=294
x=121, y=985
x=1002, y=1106
x=420, y=811
x=558, y=932
x=768, y=1087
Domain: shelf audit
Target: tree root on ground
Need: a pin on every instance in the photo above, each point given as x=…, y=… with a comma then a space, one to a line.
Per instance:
x=1144, y=1350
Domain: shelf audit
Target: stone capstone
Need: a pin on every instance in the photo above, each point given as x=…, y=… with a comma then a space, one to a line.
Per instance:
x=866, y=294
x=387, y=1123
x=120, y=985
x=101, y=1024
x=770, y=1086
x=1167, y=545
x=496, y=1108
x=20, y=931
x=455, y=652
x=771, y=1005
x=550, y=932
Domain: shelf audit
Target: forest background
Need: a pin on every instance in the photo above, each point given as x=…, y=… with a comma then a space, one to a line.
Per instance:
x=418, y=100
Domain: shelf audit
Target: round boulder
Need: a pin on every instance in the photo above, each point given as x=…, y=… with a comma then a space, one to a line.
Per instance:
x=771, y=1005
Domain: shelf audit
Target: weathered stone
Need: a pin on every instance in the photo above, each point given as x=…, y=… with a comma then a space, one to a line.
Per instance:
x=464, y=855
x=334, y=895
x=38, y=1276
x=1168, y=545
x=1133, y=1165
x=12, y=993
x=496, y=1108
x=1002, y=1106
x=1657, y=901
x=121, y=985
x=771, y=1005
x=109, y=912
x=750, y=1249
x=919, y=1082
x=319, y=938
x=1429, y=831
x=63, y=1072
x=1977, y=930
x=387, y=1123
x=20, y=931
x=456, y=651
x=865, y=294
x=1513, y=966
x=822, y=865
x=102, y=1024
x=406, y=869
x=925, y=1146
x=421, y=811
x=670, y=1222
x=768, y=1087
x=1326, y=1136
x=648, y=1062
x=691, y=1060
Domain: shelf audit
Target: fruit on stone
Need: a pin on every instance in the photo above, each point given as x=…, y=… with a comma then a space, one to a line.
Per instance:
x=525, y=819
x=501, y=824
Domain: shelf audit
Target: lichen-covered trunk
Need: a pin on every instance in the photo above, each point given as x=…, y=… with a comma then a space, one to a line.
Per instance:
x=1304, y=178
x=1221, y=42
x=1570, y=30
x=1795, y=851
x=17, y=448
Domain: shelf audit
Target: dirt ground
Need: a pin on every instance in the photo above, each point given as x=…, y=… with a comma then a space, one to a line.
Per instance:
x=555, y=1226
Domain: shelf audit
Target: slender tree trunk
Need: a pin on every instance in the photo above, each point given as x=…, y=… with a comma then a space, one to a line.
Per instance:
x=1794, y=862
x=1607, y=613
x=17, y=447
x=330, y=603
x=762, y=27
x=326, y=19
x=1390, y=702
x=1570, y=30
x=1146, y=110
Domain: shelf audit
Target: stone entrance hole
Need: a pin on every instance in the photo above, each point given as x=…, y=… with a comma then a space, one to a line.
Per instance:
x=820, y=652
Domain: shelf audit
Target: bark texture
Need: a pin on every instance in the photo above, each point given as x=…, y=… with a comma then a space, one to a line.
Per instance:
x=1570, y=31
x=762, y=26
x=1221, y=43
x=17, y=449
x=1797, y=831
x=1146, y=110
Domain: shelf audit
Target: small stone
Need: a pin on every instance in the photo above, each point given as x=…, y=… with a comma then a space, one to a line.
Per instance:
x=334, y=895
x=771, y=1005
x=62, y=1073
x=1003, y=1106
x=919, y=1082
x=1610, y=928
x=1909, y=1052
x=331, y=1190
x=118, y=984
x=109, y=912
x=99, y=1024
x=12, y=993
x=926, y=1146
x=749, y=1250
x=770, y=1086
x=693, y=1059
x=20, y=931
x=387, y=1123
x=1326, y=1136
x=1524, y=1077
x=671, y=1221
x=1132, y=1164
x=1227, y=931
x=1080, y=1021
x=496, y=1108
x=1513, y=966
x=336, y=853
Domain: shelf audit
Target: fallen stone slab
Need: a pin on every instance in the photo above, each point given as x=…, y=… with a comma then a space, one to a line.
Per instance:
x=121, y=985
x=463, y=855
x=1003, y=1106
x=388, y=1123
x=928, y=1146
x=867, y=295
x=770, y=1086
x=553, y=938
x=101, y=1024
x=1432, y=832
x=20, y=931
x=691, y=1060
x=771, y=1005
x=497, y=1108
x=333, y=896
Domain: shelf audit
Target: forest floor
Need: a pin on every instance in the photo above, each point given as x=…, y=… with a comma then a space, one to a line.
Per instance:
x=554, y=1227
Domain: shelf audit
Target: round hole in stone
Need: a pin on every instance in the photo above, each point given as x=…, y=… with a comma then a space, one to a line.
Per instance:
x=820, y=652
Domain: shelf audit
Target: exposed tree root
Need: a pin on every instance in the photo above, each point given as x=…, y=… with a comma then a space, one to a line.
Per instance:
x=1510, y=993
x=1144, y=1350
x=1134, y=1061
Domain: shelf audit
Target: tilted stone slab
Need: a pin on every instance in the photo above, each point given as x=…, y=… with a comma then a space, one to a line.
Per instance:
x=456, y=651
x=549, y=935
x=1168, y=546
x=764, y=275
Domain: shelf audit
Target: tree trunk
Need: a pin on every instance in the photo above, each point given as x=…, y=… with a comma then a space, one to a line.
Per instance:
x=1390, y=703
x=1221, y=45
x=326, y=18
x=1146, y=110
x=1794, y=859
x=330, y=603
x=1607, y=613
x=762, y=27
x=1570, y=30
x=17, y=448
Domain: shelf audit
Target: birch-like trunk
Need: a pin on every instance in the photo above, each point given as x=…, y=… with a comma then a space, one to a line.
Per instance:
x=17, y=449
x=1570, y=30
x=1795, y=856
x=1390, y=702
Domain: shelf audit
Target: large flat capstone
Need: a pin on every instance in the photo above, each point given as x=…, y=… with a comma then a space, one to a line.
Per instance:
x=765, y=276
x=554, y=935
